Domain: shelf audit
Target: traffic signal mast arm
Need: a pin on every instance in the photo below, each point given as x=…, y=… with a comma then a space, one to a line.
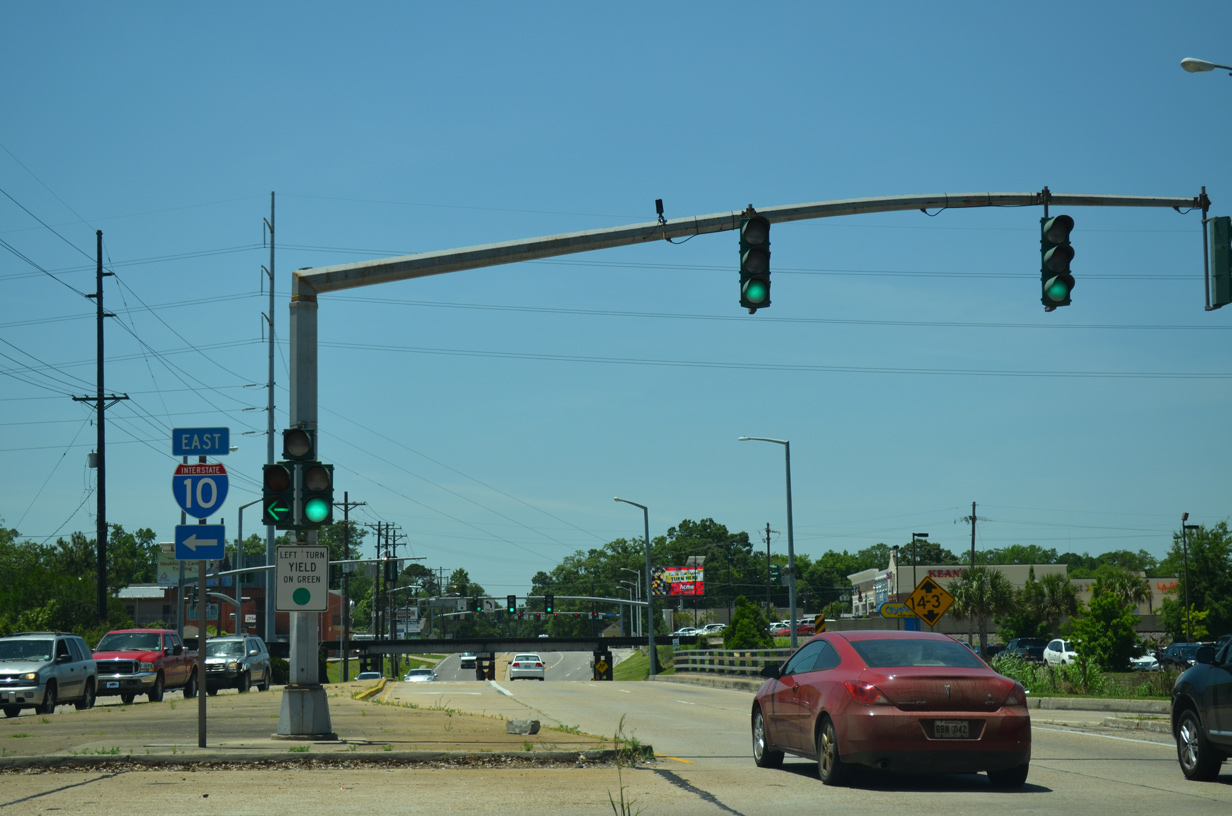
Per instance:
x=308, y=282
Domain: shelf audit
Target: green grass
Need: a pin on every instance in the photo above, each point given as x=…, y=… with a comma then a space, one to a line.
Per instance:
x=637, y=667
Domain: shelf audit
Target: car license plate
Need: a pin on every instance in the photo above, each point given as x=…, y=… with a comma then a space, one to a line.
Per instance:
x=113, y=684
x=950, y=729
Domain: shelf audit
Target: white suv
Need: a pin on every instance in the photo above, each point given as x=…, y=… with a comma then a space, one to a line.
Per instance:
x=41, y=670
x=1060, y=653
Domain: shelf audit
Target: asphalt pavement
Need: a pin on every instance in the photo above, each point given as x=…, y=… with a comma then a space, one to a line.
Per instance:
x=384, y=722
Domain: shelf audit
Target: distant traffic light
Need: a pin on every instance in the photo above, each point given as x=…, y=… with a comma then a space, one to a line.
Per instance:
x=511, y=604
x=316, y=494
x=391, y=570
x=1221, y=261
x=549, y=603
x=776, y=574
x=278, y=495
x=1056, y=254
x=754, y=261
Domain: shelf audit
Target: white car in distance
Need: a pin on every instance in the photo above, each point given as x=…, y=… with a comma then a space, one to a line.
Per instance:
x=526, y=666
x=1060, y=652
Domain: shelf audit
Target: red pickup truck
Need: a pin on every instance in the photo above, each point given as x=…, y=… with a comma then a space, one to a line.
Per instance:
x=144, y=661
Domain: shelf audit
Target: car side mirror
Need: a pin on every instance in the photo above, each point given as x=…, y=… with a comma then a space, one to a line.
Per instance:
x=770, y=671
x=177, y=649
x=1206, y=654
x=64, y=659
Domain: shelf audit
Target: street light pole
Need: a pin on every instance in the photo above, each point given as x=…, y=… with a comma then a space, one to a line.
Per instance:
x=914, y=560
x=637, y=579
x=1185, y=550
x=791, y=549
x=239, y=564
x=649, y=593
x=635, y=622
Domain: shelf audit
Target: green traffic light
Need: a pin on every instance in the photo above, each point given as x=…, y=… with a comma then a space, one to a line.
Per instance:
x=757, y=291
x=316, y=510
x=1057, y=290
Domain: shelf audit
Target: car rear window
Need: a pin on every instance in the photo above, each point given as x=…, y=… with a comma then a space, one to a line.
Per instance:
x=903, y=652
x=526, y=658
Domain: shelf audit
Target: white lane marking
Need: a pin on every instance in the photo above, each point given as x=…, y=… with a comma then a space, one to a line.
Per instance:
x=1169, y=745
x=685, y=702
x=624, y=691
x=439, y=693
x=499, y=688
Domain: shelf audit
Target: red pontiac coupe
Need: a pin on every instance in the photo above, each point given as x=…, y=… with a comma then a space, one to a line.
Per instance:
x=901, y=701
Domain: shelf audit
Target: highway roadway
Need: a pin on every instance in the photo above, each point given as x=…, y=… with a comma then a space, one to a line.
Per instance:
x=704, y=767
x=559, y=666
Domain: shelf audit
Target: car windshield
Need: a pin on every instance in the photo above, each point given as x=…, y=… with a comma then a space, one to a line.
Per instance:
x=130, y=642
x=225, y=648
x=419, y=672
x=25, y=650
x=526, y=658
x=898, y=652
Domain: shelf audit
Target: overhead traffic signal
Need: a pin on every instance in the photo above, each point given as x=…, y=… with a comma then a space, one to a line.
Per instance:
x=1056, y=254
x=277, y=495
x=476, y=604
x=511, y=604
x=776, y=574
x=1221, y=262
x=316, y=495
x=299, y=445
x=549, y=603
x=754, y=261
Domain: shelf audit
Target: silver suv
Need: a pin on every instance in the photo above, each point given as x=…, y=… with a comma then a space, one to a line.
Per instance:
x=41, y=670
x=236, y=662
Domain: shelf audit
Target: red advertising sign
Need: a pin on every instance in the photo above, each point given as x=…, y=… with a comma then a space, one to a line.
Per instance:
x=678, y=581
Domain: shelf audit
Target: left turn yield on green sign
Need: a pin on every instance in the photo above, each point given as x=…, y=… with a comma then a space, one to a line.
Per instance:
x=200, y=542
x=301, y=573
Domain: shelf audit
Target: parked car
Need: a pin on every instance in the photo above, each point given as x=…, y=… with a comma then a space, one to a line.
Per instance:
x=41, y=670
x=237, y=662
x=1060, y=653
x=526, y=666
x=1179, y=656
x=898, y=701
x=684, y=631
x=783, y=629
x=1146, y=661
x=419, y=676
x=1200, y=713
x=1027, y=648
x=466, y=660
x=713, y=628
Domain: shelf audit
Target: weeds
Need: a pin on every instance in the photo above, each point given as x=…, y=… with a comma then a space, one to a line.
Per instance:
x=526, y=746
x=625, y=745
x=19, y=736
x=300, y=749
x=388, y=748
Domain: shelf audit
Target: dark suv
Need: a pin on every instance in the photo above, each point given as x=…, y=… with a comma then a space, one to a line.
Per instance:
x=1179, y=656
x=41, y=670
x=1202, y=713
x=236, y=662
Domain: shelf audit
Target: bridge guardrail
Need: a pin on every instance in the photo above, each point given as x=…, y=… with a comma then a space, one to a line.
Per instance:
x=728, y=661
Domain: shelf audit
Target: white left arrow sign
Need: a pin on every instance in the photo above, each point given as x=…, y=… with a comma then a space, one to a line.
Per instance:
x=195, y=542
x=192, y=542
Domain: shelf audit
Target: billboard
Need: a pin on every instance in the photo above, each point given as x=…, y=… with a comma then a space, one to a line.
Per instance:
x=678, y=581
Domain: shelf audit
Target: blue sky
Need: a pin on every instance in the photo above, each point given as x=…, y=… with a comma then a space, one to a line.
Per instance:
x=493, y=414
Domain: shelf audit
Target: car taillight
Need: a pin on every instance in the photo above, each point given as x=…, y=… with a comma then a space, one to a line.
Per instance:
x=538, y=665
x=867, y=693
x=1017, y=697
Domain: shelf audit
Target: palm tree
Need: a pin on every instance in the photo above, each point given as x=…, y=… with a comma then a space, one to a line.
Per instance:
x=1127, y=586
x=1058, y=597
x=981, y=593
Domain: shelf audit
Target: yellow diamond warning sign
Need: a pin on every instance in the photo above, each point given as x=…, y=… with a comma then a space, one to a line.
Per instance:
x=929, y=601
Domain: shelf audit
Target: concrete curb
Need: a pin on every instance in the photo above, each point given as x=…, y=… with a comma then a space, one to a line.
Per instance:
x=334, y=758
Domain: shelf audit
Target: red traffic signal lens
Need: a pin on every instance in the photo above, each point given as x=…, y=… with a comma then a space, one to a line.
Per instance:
x=276, y=478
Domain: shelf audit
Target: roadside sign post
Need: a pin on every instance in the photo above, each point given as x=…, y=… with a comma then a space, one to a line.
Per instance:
x=929, y=601
x=200, y=490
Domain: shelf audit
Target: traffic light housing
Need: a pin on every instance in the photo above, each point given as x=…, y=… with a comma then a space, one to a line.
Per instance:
x=278, y=495
x=316, y=495
x=476, y=604
x=1221, y=262
x=511, y=604
x=776, y=574
x=754, y=261
x=1056, y=253
x=549, y=603
x=299, y=445
x=391, y=570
